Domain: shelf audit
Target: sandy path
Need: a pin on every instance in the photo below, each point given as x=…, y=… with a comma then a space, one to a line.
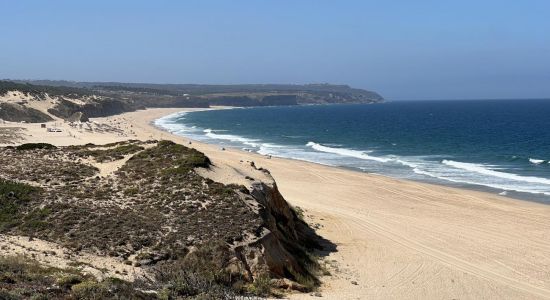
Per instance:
x=399, y=239
x=57, y=256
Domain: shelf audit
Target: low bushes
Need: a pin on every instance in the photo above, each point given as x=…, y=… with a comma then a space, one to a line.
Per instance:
x=23, y=278
x=34, y=146
x=13, y=197
x=112, y=154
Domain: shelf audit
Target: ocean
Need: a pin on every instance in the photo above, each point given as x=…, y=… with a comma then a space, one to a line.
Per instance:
x=497, y=146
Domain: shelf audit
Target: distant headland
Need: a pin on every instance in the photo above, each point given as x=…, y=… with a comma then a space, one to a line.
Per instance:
x=38, y=100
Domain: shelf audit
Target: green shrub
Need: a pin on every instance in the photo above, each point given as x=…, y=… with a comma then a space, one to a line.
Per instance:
x=109, y=288
x=112, y=154
x=13, y=196
x=24, y=278
x=39, y=296
x=15, y=190
x=298, y=211
x=201, y=273
x=131, y=191
x=261, y=285
x=35, y=220
x=33, y=146
x=171, y=158
x=9, y=295
x=68, y=280
x=90, y=290
x=197, y=159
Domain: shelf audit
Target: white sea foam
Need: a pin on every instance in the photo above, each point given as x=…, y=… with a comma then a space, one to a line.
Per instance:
x=491, y=176
x=465, y=178
x=536, y=161
x=478, y=168
x=406, y=163
x=270, y=149
x=170, y=123
x=232, y=138
x=346, y=152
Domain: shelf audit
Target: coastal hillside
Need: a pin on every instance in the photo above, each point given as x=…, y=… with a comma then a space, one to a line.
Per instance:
x=23, y=102
x=128, y=217
x=252, y=94
x=41, y=101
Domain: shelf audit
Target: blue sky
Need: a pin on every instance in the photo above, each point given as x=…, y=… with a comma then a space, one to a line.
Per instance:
x=402, y=49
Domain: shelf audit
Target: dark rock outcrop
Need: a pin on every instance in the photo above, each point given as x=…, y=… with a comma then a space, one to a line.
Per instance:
x=284, y=242
x=106, y=107
x=280, y=218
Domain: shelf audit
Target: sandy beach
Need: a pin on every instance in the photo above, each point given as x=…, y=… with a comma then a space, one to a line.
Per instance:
x=395, y=239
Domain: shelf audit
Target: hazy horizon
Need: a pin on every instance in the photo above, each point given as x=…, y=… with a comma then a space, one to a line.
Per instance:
x=402, y=50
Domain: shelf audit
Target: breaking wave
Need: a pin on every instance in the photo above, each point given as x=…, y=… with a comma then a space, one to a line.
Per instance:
x=347, y=152
x=536, y=161
x=435, y=168
x=232, y=138
x=477, y=168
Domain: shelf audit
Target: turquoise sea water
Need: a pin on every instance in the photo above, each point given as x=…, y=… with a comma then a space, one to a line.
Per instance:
x=496, y=146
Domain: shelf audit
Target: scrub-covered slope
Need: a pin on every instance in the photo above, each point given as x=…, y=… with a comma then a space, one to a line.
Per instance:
x=143, y=205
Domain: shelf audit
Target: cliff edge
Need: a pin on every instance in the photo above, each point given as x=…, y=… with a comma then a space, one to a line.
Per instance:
x=139, y=212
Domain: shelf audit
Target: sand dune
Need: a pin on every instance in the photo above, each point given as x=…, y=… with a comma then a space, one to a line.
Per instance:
x=396, y=239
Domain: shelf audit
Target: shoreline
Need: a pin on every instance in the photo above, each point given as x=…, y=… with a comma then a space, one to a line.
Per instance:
x=510, y=194
x=471, y=214
x=395, y=238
